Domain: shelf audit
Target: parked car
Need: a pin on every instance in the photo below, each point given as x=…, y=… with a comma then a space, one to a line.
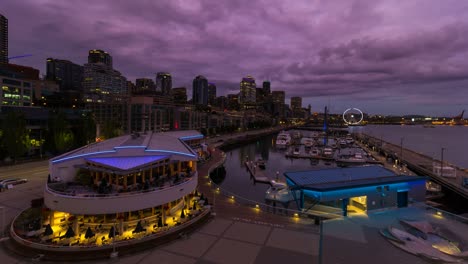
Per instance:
x=4, y=183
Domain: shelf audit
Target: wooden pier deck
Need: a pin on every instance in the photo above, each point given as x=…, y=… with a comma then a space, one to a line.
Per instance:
x=420, y=164
x=256, y=172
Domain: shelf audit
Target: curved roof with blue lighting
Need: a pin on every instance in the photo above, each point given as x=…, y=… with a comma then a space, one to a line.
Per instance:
x=138, y=144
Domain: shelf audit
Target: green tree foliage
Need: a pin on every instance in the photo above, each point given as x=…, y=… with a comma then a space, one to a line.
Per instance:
x=85, y=131
x=60, y=137
x=110, y=129
x=15, y=136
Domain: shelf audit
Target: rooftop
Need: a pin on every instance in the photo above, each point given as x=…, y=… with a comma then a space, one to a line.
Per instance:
x=342, y=178
x=163, y=143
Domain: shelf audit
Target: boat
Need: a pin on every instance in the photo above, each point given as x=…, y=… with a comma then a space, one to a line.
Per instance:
x=417, y=246
x=327, y=152
x=308, y=142
x=283, y=139
x=279, y=192
x=357, y=158
x=315, y=152
x=349, y=140
x=296, y=151
x=433, y=187
x=343, y=143
x=261, y=164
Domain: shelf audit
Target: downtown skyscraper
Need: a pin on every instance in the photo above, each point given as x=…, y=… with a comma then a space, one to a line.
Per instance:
x=200, y=90
x=164, y=82
x=3, y=39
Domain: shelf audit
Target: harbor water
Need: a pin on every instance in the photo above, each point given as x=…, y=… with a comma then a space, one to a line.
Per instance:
x=426, y=140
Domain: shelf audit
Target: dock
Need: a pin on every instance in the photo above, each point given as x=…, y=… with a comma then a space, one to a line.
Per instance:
x=419, y=163
x=256, y=172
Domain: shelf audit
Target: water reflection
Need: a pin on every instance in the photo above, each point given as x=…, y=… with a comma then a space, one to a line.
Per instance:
x=238, y=179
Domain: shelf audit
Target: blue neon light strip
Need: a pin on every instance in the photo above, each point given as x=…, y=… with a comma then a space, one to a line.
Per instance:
x=83, y=155
x=192, y=137
x=171, y=152
x=129, y=147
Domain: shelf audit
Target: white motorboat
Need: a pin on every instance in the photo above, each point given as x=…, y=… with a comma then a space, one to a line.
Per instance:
x=357, y=158
x=308, y=142
x=283, y=139
x=279, y=192
x=327, y=152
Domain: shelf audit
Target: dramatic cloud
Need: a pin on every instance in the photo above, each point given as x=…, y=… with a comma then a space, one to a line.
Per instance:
x=380, y=56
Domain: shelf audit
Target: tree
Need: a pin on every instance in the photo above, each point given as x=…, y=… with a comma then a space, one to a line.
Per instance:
x=85, y=131
x=110, y=129
x=15, y=136
x=60, y=138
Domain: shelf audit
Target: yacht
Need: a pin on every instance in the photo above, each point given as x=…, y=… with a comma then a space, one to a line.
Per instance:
x=357, y=158
x=279, y=192
x=308, y=142
x=327, y=152
x=283, y=139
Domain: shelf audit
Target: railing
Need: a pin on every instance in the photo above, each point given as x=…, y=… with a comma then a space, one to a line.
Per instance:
x=92, y=195
x=117, y=244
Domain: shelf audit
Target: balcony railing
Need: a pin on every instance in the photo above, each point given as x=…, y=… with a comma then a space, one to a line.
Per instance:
x=79, y=190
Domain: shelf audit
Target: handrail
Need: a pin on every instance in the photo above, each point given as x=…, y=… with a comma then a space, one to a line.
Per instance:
x=113, y=195
x=106, y=246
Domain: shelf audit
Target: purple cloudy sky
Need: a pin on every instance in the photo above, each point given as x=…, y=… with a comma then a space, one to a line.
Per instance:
x=390, y=57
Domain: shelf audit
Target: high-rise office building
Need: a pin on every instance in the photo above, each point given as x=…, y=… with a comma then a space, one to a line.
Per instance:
x=211, y=94
x=266, y=88
x=248, y=90
x=296, y=103
x=179, y=95
x=164, y=83
x=102, y=83
x=200, y=90
x=3, y=40
x=68, y=75
x=278, y=99
x=100, y=56
x=144, y=86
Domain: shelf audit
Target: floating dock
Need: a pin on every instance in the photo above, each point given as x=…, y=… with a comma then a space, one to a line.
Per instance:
x=256, y=172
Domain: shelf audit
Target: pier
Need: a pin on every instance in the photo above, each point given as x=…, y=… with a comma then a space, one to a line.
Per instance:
x=256, y=172
x=419, y=163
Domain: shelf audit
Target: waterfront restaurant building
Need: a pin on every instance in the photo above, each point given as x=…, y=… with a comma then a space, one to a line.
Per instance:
x=355, y=189
x=127, y=187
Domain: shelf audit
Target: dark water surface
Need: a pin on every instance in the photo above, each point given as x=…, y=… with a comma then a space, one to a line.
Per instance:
x=238, y=179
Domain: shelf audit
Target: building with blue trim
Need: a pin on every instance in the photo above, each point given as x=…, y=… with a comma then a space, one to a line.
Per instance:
x=355, y=189
x=142, y=184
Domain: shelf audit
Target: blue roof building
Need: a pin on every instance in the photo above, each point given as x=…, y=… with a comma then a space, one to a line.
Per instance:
x=354, y=189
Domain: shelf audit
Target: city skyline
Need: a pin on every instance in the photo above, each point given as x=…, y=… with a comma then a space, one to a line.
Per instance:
x=378, y=57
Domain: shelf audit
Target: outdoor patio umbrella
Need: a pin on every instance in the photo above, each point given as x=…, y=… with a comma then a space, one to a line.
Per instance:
x=112, y=231
x=48, y=230
x=69, y=233
x=89, y=233
x=138, y=228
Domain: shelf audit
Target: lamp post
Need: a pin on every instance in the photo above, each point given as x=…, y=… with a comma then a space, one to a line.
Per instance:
x=441, y=161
